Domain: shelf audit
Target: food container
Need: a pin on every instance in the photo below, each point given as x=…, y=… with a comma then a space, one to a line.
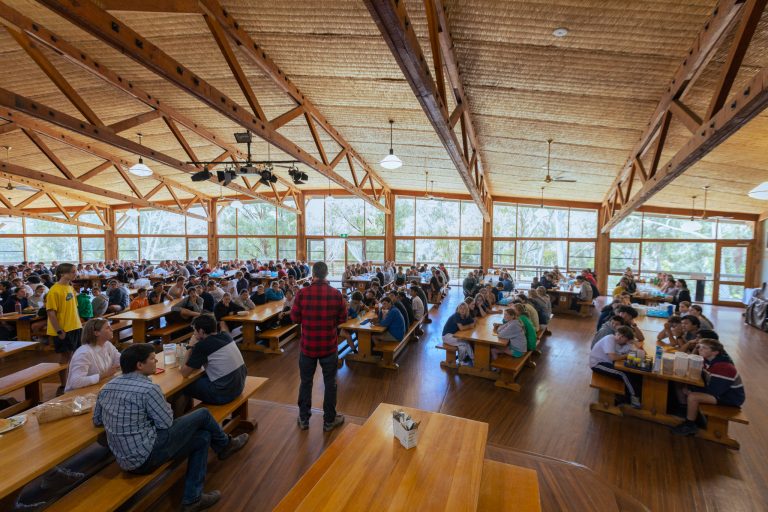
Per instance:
x=681, y=364
x=695, y=365
x=169, y=355
x=668, y=364
x=243, y=313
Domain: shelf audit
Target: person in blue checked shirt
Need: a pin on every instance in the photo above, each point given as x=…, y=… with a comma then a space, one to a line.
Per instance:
x=142, y=434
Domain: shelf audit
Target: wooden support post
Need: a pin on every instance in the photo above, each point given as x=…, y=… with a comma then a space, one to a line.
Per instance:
x=110, y=238
x=602, y=255
x=389, y=230
x=486, y=246
x=213, y=247
x=301, y=222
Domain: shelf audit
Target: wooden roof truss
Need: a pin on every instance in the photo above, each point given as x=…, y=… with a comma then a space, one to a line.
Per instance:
x=30, y=34
x=724, y=116
x=226, y=32
x=392, y=19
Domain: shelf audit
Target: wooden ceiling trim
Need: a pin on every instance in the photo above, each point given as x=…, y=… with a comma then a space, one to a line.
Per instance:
x=685, y=115
x=95, y=171
x=133, y=122
x=30, y=113
x=8, y=128
x=286, y=117
x=316, y=138
x=50, y=155
x=181, y=140
x=58, y=206
x=81, y=211
x=45, y=187
x=113, y=32
x=31, y=199
x=391, y=17
x=127, y=179
x=50, y=218
x=259, y=57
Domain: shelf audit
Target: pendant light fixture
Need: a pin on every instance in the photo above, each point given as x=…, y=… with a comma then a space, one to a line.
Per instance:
x=132, y=213
x=541, y=213
x=236, y=204
x=690, y=225
x=140, y=169
x=391, y=161
x=329, y=198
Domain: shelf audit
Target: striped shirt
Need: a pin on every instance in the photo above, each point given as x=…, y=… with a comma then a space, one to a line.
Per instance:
x=132, y=409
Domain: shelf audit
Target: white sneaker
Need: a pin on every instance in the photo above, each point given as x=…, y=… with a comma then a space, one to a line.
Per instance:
x=635, y=403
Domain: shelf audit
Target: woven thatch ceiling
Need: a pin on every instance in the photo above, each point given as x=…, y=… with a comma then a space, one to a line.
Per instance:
x=592, y=91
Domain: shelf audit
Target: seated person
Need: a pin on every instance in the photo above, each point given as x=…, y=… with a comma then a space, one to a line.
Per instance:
x=241, y=283
x=189, y=307
x=585, y=293
x=673, y=331
x=546, y=281
x=404, y=307
x=216, y=292
x=461, y=320
x=225, y=307
x=607, y=329
x=722, y=385
x=513, y=332
x=119, y=300
x=156, y=296
x=416, y=303
x=177, y=290
x=141, y=300
x=99, y=303
x=681, y=295
x=225, y=370
x=691, y=326
x=274, y=293
x=685, y=307
x=523, y=315
x=259, y=297
x=142, y=434
x=621, y=287
x=628, y=313
x=390, y=317
x=243, y=300
x=209, y=303
x=96, y=358
x=610, y=349
x=692, y=347
x=706, y=323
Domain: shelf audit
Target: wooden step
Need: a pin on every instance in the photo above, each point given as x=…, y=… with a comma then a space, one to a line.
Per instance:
x=508, y=487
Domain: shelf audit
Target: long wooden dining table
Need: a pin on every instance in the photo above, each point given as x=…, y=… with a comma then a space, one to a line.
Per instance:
x=141, y=318
x=483, y=338
x=252, y=319
x=31, y=450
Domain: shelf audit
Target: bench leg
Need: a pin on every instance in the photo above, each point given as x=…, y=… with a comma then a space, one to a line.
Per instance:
x=506, y=380
x=606, y=402
x=717, y=431
x=240, y=421
x=388, y=361
x=450, y=359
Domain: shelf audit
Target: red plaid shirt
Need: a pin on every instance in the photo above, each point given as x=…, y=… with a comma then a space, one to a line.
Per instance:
x=319, y=308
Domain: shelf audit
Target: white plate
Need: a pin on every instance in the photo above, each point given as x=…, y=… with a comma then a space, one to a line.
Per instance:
x=16, y=422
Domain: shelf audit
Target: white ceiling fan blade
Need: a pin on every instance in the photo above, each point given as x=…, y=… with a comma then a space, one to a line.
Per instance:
x=26, y=188
x=559, y=180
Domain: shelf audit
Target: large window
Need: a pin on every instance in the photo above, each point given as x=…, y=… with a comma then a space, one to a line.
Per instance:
x=650, y=243
x=27, y=239
x=256, y=231
x=161, y=235
x=528, y=239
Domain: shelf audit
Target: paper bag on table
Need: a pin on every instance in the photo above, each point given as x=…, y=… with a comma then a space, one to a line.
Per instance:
x=64, y=407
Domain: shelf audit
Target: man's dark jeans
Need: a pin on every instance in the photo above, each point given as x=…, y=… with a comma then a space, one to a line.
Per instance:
x=189, y=436
x=307, y=366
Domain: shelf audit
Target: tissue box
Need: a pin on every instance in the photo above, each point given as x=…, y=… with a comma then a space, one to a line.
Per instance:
x=408, y=438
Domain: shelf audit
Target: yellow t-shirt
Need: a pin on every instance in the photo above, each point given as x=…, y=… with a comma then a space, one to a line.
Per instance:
x=63, y=300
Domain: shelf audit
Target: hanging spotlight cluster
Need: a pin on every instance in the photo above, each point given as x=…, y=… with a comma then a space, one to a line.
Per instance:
x=298, y=177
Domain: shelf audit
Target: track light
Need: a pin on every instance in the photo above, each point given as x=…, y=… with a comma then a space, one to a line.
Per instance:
x=225, y=177
x=267, y=177
x=203, y=175
x=298, y=177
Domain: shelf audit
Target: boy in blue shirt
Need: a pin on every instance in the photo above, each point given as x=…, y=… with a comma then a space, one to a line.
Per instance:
x=391, y=318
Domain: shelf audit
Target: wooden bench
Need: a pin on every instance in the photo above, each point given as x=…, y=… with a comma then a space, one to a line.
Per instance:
x=111, y=487
x=508, y=487
x=718, y=417
x=118, y=328
x=391, y=349
x=451, y=353
x=31, y=379
x=584, y=308
x=171, y=333
x=509, y=367
x=608, y=389
x=279, y=336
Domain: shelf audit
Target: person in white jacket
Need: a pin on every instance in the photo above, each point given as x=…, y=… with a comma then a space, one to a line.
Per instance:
x=96, y=358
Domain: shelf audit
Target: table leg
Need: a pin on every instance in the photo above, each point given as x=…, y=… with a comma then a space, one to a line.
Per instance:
x=139, y=328
x=482, y=364
x=654, y=403
x=364, y=349
x=249, y=338
x=24, y=329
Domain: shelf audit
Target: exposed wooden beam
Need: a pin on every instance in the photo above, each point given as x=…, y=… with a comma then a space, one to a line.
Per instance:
x=27, y=112
x=169, y=6
x=50, y=218
x=234, y=66
x=696, y=59
x=133, y=122
x=181, y=140
x=127, y=179
x=33, y=177
x=738, y=110
x=392, y=19
x=58, y=205
x=31, y=199
x=8, y=128
x=49, y=154
x=46, y=187
x=316, y=138
x=286, y=117
x=31, y=48
x=685, y=115
x=95, y=171
x=434, y=41
x=99, y=23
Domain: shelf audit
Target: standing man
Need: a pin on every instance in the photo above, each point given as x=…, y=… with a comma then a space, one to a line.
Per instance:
x=320, y=309
x=63, y=320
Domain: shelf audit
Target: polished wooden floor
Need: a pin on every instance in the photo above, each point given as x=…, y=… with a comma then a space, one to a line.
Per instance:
x=549, y=417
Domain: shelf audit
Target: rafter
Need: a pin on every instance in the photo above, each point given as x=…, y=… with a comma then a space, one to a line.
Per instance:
x=27, y=112
x=391, y=17
x=133, y=122
x=31, y=199
x=50, y=218
x=44, y=186
x=180, y=139
x=101, y=24
x=35, y=178
x=715, y=127
x=49, y=154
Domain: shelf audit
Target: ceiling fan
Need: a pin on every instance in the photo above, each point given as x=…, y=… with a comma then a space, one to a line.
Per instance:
x=11, y=186
x=704, y=211
x=548, y=178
